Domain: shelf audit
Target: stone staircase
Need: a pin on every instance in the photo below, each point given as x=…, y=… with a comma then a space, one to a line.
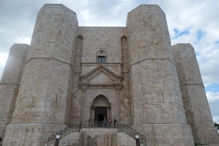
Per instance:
x=89, y=135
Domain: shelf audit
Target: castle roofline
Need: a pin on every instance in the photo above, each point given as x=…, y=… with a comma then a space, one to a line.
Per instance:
x=145, y=5
x=58, y=5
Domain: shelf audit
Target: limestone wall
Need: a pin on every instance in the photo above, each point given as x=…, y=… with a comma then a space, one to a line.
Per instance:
x=111, y=40
x=74, y=103
x=45, y=86
x=10, y=83
x=198, y=114
x=155, y=92
x=125, y=100
x=106, y=38
x=99, y=137
x=61, y=78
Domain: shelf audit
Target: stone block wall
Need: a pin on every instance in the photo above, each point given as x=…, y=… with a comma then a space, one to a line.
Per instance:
x=154, y=86
x=54, y=81
x=196, y=106
x=42, y=101
x=10, y=83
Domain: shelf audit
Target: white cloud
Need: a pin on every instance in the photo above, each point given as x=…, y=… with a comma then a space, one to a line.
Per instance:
x=23, y=40
x=212, y=96
x=216, y=119
x=197, y=15
x=3, y=59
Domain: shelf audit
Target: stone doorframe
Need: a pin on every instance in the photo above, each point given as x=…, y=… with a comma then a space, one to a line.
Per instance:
x=100, y=101
x=91, y=94
x=100, y=81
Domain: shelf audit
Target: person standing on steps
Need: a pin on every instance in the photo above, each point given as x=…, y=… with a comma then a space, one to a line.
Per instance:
x=104, y=122
x=114, y=123
x=109, y=122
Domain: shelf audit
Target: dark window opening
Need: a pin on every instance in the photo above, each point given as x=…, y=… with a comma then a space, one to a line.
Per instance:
x=101, y=59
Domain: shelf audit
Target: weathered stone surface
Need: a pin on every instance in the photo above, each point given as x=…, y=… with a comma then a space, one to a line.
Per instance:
x=125, y=101
x=10, y=83
x=72, y=139
x=155, y=90
x=29, y=134
x=129, y=73
x=97, y=137
x=106, y=38
x=14, y=66
x=100, y=136
x=125, y=140
x=74, y=104
x=157, y=97
x=87, y=67
x=187, y=66
x=194, y=98
x=54, y=33
x=148, y=35
x=44, y=91
x=7, y=104
x=166, y=134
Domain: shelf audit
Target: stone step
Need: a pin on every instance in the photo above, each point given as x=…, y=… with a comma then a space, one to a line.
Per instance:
x=97, y=137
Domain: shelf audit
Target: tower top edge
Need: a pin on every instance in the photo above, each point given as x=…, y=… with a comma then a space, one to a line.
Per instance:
x=182, y=44
x=51, y=5
x=146, y=6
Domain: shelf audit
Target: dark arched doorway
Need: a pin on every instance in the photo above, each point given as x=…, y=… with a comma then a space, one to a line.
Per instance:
x=100, y=109
x=100, y=114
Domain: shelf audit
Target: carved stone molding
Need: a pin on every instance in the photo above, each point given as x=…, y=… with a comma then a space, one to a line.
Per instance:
x=101, y=77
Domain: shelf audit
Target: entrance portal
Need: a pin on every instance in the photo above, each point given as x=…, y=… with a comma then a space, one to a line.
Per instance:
x=100, y=114
x=100, y=111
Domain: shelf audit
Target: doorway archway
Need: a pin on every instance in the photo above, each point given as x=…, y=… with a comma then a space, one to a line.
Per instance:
x=100, y=109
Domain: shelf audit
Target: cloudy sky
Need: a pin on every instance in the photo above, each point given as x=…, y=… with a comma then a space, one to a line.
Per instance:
x=195, y=22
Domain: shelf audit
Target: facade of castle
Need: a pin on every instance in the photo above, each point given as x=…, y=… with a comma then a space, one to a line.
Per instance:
x=71, y=75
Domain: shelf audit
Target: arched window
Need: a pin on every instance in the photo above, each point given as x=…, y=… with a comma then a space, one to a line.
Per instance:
x=101, y=59
x=101, y=56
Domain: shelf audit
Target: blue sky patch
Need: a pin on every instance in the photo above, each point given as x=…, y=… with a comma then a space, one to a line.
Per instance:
x=197, y=53
x=213, y=87
x=200, y=34
x=178, y=33
x=217, y=42
x=214, y=108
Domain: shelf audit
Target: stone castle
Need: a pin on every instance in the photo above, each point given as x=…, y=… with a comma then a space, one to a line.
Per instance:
x=72, y=77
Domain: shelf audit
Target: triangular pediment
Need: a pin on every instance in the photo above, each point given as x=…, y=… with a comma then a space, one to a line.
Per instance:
x=100, y=76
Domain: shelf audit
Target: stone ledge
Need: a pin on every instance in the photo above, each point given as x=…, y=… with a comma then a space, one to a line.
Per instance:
x=168, y=59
